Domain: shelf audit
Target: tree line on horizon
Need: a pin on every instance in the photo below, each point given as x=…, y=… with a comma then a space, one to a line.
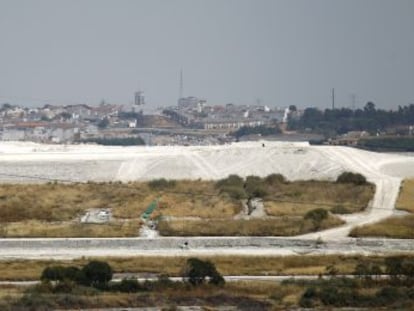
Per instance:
x=332, y=122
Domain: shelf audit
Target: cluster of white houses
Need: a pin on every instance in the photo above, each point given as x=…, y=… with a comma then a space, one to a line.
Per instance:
x=46, y=132
x=197, y=114
x=52, y=124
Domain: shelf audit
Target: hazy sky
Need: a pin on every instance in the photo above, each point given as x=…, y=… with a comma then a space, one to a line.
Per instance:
x=281, y=52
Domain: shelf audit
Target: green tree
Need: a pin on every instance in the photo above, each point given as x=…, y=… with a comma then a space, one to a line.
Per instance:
x=53, y=273
x=60, y=273
x=97, y=274
x=351, y=178
x=274, y=179
x=233, y=185
x=196, y=272
x=317, y=216
x=254, y=187
x=128, y=286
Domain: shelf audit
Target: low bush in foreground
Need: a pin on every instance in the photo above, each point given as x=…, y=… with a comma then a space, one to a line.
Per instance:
x=369, y=289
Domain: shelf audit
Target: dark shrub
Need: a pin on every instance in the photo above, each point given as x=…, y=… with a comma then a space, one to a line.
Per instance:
x=274, y=179
x=310, y=292
x=255, y=187
x=161, y=183
x=351, y=178
x=196, y=271
x=128, y=286
x=217, y=279
x=231, y=181
x=60, y=273
x=258, y=192
x=97, y=274
x=54, y=273
x=317, y=214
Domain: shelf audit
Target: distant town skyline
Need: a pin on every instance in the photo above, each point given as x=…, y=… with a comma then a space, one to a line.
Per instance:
x=277, y=53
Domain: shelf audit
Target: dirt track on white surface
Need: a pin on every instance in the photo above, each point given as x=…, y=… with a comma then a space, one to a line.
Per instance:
x=25, y=162
x=387, y=188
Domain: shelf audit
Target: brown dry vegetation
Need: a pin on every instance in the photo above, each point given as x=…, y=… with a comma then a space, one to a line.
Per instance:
x=60, y=202
x=406, y=198
x=297, y=198
x=398, y=227
x=280, y=226
x=35, y=228
x=51, y=210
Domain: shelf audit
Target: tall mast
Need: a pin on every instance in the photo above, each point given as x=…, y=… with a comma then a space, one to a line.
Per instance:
x=181, y=84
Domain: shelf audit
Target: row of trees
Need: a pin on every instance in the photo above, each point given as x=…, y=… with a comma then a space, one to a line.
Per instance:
x=261, y=130
x=95, y=274
x=339, y=121
x=98, y=274
x=116, y=141
x=252, y=186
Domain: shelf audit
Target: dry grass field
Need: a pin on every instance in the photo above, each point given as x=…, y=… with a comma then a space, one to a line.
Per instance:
x=406, y=198
x=398, y=227
x=54, y=209
x=34, y=228
x=60, y=202
x=297, y=198
x=280, y=226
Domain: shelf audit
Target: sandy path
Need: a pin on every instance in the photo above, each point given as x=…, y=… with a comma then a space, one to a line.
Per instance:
x=386, y=194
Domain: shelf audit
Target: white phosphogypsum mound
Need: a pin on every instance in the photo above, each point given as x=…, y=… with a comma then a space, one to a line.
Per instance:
x=296, y=161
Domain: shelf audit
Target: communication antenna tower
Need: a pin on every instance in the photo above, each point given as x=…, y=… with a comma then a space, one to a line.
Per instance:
x=181, y=84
